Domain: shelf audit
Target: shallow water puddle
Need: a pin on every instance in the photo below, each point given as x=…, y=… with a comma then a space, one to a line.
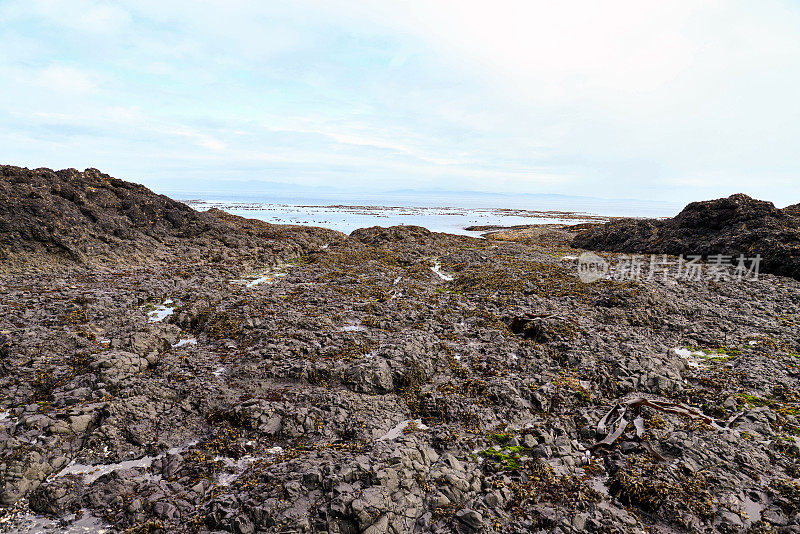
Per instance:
x=702, y=358
x=238, y=467
x=396, y=291
x=161, y=312
x=30, y=523
x=757, y=339
x=182, y=342
x=353, y=328
x=93, y=472
x=265, y=279
x=599, y=486
x=267, y=276
x=397, y=431
x=753, y=509
x=437, y=268
x=694, y=359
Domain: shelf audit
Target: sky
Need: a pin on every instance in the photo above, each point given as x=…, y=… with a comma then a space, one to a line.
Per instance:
x=655, y=100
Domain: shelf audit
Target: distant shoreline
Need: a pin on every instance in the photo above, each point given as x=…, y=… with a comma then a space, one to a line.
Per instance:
x=447, y=219
x=525, y=202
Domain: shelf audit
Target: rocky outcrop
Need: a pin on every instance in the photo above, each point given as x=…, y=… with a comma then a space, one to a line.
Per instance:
x=90, y=216
x=729, y=226
x=81, y=214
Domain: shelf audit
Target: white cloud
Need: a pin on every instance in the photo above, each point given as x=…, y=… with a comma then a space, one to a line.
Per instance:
x=211, y=144
x=85, y=16
x=66, y=79
x=624, y=97
x=359, y=135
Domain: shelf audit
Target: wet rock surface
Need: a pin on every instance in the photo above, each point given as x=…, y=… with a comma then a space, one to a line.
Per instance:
x=733, y=226
x=396, y=380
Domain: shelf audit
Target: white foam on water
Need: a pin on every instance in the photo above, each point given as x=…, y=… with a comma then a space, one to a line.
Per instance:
x=395, y=432
x=437, y=268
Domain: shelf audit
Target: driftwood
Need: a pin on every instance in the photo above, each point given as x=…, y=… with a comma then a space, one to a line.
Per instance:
x=615, y=421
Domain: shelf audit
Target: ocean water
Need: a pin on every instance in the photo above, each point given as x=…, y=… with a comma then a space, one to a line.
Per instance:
x=437, y=212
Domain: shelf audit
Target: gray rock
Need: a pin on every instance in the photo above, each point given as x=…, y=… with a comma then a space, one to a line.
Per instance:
x=471, y=518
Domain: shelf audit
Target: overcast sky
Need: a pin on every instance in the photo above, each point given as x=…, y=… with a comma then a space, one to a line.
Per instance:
x=673, y=100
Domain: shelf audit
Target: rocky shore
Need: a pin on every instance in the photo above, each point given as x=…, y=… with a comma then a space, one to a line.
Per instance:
x=166, y=370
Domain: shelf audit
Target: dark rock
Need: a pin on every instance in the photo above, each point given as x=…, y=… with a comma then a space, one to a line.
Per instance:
x=471, y=518
x=57, y=497
x=730, y=226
